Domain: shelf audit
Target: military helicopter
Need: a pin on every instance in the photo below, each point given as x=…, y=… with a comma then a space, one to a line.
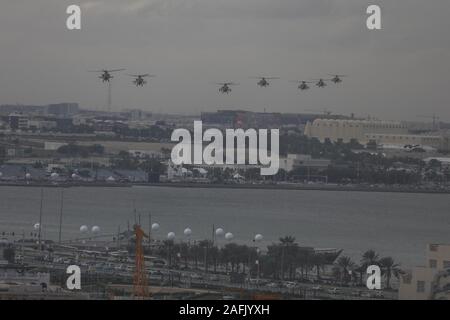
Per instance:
x=337, y=78
x=139, y=80
x=225, y=87
x=263, y=81
x=321, y=83
x=106, y=75
x=303, y=85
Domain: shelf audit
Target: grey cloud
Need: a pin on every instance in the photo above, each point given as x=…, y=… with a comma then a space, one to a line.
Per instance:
x=399, y=71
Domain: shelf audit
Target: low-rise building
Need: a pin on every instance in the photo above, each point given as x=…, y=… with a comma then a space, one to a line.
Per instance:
x=63, y=109
x=431, y=281
x=433, y=141
x=294, y=161
x=348, y=130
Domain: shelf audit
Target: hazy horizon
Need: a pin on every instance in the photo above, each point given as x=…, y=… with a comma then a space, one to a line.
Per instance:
x=399, y=72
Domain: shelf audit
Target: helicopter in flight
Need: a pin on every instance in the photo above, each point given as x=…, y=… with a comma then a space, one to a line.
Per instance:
x=263, y=81
x=321, y=83
x=139, y=80
x=106, y=75
x=337, y=78
x=225, y=87
x=302, y=85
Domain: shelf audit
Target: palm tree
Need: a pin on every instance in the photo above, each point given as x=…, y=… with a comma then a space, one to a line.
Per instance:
x=345, y=265
x=369, y=258
x=271, y=261
x=389, y=268
x=319, y=262
x=288, y=254
x=205, y=245
x=231, y=256
x=185, y=253
x=168, y=245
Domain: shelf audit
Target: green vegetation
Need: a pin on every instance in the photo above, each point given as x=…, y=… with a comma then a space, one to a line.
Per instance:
x=126, y=161
x=155, y=133
x=352, y=163
x=74, y=150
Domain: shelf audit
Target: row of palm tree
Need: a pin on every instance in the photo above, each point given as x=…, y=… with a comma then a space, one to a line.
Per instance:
x=284, y=260
x=345, y=270
x=203, y=255
x=281, y=261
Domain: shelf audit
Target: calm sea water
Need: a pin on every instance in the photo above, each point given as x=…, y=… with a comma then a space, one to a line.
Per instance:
x=395, y=224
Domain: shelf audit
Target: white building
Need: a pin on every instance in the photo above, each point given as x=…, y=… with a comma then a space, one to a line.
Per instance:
x=431, y=281
x=405, y=139
x=40, y=124
x=293, y=161
x=347, y=130
x=53, y=145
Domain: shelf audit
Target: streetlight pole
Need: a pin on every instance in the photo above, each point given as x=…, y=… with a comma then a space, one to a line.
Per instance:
x=61, y=214
x=258, y=263
x=40, y=219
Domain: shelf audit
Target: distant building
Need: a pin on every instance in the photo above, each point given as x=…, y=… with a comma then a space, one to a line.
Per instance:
x=445, y=142
x=53, y=146
x=294, y=161
x=17, y=121
x=146, y=153
x=40, y=124
x=348, y=130
x=445, y=162
x=22, y=109
x=434, y=141
x=221, y=118
x=255, y=120
x=137, y=114
x=431, y=281
x=63, y=109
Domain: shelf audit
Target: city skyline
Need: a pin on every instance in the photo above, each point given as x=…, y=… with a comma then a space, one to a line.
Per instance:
x=395, y=73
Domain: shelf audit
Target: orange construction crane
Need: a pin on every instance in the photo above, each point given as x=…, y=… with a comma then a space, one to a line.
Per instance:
x=140, y=288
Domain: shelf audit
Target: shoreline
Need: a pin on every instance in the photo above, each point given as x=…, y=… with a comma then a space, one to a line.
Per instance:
x=181, y=185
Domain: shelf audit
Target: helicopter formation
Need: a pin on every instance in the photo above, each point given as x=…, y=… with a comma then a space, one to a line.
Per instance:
x=320, y=83
x=225, y=87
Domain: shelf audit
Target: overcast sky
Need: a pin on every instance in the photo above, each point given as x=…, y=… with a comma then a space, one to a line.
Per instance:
x=397, y=73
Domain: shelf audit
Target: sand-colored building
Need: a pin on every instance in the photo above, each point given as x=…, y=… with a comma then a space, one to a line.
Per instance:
x=347, y=130
x=431, y=281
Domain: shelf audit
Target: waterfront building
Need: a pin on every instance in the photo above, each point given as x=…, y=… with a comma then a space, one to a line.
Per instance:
x=431, y=281
x=294, y=161
x=433, y=141
x=225, y=119
x=63, y=109
x=348, y=130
